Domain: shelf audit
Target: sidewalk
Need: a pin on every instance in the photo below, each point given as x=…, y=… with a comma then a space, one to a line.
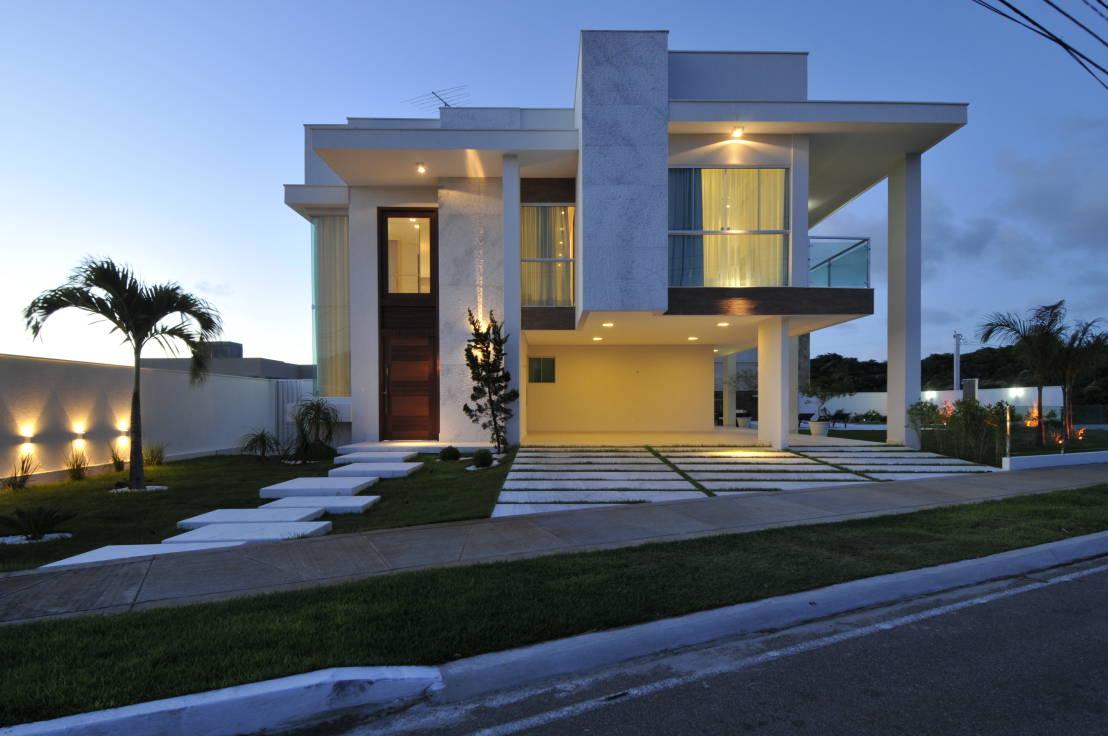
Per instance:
x=202, y=576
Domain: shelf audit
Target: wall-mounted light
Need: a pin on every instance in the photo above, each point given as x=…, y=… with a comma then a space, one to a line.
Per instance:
x=692, y=338
x=608, y=324
x=723, y=324
x=79, y=429
x=420, y=168
x=736, y=132
x=597, y=339
x=123, y=426
x=27, y=431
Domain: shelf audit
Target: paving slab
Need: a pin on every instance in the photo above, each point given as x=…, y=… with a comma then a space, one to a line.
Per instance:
x=114, y=552
x=526, y=509
x=595, y=485
x=744, y=454
x=907, y=476
x=317, y=487
x=251, y=516
x=599, y=459
x=569, y=457
x=889, y=457
x=374, y=470
x=790, y=460
x=421, y=446
x=781, y=485
x=593, y=475
x=253, y=532
x=747, y=468
x=591, y=467
x=849, y=448
x=333, y=505
x=374, y=457
x=865, y=468
x=775, y=476
x=596, y=496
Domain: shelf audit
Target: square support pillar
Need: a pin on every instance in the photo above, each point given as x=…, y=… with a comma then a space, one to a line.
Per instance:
x=793, y=423
x=511, y=318
x=905, y=260
x=729, y=376
x=775, y=382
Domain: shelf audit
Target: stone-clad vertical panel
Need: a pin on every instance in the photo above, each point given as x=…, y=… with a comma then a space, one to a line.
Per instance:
x=471, y=276
x=624, y=109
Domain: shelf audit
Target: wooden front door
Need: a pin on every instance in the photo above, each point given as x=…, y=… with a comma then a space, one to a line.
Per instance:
x=408, y=277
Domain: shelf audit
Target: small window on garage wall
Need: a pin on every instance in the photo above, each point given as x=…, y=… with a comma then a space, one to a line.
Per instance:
x=540, y=370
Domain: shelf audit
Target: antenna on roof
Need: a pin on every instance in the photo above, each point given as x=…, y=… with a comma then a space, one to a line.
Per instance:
x=446, y=97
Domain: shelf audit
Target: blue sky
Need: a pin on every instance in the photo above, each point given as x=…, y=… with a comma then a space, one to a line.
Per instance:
x=160, y=134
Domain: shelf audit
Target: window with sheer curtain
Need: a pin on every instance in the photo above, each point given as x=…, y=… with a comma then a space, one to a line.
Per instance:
x=728, y=227
x=331, y=305
x=546, y=255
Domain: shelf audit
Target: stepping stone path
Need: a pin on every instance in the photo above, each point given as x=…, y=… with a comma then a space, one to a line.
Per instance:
x=546, y=479
x=293, y=514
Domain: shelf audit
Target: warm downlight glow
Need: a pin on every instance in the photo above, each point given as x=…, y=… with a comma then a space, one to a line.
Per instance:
x=27, y=431
x=693, y=338
x=597, y=339
x=608, y=324
x=736, y=132
x=420, y=168
x=723, y=324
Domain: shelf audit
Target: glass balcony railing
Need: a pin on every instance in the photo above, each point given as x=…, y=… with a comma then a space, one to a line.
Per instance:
x=841, y=263
x=728, y=258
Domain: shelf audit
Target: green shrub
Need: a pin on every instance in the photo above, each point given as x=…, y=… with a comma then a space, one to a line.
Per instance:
x=118, y=463
x=449, y=454
x=36, y=523
x=22, y=470
x=154, y=454
x=482, y=458
x=967, y=429
x=315, y=421
x=77, y=464
x=261, y=442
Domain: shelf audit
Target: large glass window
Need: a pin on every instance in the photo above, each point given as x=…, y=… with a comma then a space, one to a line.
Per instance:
x=331, y=305
x=728, y=227
x=409, y=256
x=546, y=255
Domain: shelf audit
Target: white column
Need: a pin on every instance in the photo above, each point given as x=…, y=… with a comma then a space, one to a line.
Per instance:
x=774, y=382
x=729, y=374
x=793, y=423
x=798, y=212
x=364, y=338
x=905, y=246
x=511, y=317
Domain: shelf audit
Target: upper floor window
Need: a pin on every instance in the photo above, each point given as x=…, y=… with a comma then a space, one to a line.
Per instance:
x=728, y=227
x=409, y=255
x=546, y=255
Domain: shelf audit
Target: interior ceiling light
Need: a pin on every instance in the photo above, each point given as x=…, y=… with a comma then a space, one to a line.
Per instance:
x=608, y=324
x=420, y=168
x=723, y=324
x=693, y=338
x=597, y=339
x=736, y=132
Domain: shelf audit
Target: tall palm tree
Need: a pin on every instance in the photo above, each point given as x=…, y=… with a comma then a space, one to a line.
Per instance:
x=140, y=313
x=1082, y=348
x=1037, y=339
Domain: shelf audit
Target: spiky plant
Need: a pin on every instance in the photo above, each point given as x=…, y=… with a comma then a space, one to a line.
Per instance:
x=22, y=470
x=36, y=523
x=260, y=442
x=315, y=421
x=141, y=313
x=77, y=464
x=1083, y=347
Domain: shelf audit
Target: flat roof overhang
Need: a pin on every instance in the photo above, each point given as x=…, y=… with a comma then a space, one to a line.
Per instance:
x=852, y=145
x=388, y=157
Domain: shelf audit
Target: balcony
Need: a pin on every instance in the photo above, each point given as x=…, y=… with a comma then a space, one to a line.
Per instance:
x=838, y=263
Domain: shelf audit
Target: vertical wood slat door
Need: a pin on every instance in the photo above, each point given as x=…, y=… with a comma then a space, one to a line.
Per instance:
x=411, y=395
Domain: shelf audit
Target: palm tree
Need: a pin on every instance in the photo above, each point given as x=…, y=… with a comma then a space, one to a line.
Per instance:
x=1082, y=348
x=1037, y=339
x=139, y=313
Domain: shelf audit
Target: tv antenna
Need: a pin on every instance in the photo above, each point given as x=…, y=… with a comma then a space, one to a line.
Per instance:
x=446, y=97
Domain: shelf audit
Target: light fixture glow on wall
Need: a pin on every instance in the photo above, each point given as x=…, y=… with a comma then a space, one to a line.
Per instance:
x=597, y=339
x=122, y=426
x=79, y=428
x=693, y=338
x=27, y=431
x=608, y=324
x=723, y=324
x=420, y=168
x=736, y=132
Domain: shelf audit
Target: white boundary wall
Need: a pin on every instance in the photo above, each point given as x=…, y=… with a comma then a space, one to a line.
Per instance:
x=51, y=406
x=864, y=401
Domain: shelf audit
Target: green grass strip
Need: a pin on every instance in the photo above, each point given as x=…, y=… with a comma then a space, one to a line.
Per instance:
x=55, y=668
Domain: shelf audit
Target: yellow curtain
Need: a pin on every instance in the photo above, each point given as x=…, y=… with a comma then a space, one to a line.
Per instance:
x=546, y=252
x=331, y=305
x=744, y=200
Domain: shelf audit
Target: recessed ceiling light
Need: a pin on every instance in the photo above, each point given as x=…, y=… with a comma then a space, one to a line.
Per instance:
x=597, y=339
x=693, y=338
x=420, y=168
x=715, y=350
x=608, y=324
x=723, y=324
x=736, y=132
x=411, y=219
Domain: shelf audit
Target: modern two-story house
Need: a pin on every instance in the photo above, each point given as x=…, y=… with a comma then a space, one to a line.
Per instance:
x=628, y=243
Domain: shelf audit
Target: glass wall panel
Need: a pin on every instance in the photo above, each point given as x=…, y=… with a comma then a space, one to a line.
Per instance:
x=727, y=260
x=409, y=255
x=546, y=255
x=331, y=305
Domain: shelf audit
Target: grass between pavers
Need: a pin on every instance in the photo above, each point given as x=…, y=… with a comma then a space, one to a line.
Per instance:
x=440, y=491
x=59, y=667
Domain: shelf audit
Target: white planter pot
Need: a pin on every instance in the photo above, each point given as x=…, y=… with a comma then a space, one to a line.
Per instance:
x=819, y=429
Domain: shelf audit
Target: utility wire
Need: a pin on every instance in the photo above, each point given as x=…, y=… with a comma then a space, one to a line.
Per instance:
x=1095, y=9
x=1078, y=23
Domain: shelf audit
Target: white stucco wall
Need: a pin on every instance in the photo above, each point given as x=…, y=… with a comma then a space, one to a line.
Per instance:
x=864, y=401
x=471, y=276
x=623, y=389
x=738, y=75
x=53, y=399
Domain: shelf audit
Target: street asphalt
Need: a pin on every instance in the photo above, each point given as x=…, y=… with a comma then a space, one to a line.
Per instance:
x=1008, y=658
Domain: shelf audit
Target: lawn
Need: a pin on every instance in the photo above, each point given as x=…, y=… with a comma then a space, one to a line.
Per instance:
x=58, y=667
x=438, y=492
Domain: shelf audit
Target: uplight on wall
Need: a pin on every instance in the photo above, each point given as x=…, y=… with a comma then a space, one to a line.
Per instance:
x=79, y=429
x=122, y=426
x=27, y=431
x=421, y=168
x=736, y=132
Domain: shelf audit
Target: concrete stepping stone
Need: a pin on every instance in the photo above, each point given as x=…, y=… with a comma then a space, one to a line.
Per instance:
x=253, y=532
x=920, y=468
x=732, y=454
x=848, y=448
x=591, y=467
x=595, y=485
x=900, y=461
x=784, y=460
x=317, y=487
x=883, y=456
x=374, y=457
x=522, y=509
x=718, y=485
x=776, y=476
x=568, y=457
x=375, y=470
x=750, y=468
x=114, y=552
x=589, y=496
x=600, y=459
x=333, y=505
x=425, y=446
x=585, y=474
x=251, y=516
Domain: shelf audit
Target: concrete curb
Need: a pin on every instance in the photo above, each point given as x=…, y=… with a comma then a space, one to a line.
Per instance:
x=272, y=705
x=487, y=673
